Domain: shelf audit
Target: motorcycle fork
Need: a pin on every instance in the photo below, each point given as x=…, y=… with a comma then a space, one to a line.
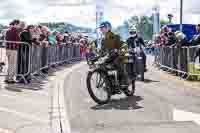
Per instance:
x=99, y=81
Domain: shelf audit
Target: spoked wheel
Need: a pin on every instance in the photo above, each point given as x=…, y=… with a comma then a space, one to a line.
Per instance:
x=98, y=87
x=131, y=89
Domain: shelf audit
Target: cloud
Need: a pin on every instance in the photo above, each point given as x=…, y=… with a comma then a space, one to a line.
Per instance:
x=72, y=11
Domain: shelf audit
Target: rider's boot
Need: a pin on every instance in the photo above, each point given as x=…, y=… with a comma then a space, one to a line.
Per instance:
x=125, y=89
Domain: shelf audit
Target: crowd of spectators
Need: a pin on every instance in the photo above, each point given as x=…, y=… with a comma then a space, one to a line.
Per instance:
x=37, y=34
x=174, y=39
x=34, y=35
x=170, y=39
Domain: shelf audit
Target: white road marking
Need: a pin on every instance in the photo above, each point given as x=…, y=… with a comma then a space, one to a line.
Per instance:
x=5, y=131
x=43, y=93
x=180, y=115
x=59, y=88
x=21, y=99
x=23, y=115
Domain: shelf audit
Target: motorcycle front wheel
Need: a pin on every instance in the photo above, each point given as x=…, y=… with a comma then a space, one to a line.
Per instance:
x=141, y=69
x=98, y=83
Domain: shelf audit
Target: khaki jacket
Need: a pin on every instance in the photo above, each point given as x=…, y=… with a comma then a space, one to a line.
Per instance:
x=111, y=41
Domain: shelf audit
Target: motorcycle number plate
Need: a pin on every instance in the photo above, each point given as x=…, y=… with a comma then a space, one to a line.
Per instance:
x=112, y=72
x=139, y=58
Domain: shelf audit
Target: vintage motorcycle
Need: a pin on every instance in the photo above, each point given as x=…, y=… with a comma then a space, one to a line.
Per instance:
x=106, y=79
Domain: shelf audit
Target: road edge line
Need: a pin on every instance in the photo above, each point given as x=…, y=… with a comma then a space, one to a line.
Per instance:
x=59, y=106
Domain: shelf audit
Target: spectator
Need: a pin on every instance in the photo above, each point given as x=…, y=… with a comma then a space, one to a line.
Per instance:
x=22, y=26
x=43, y=36
x=24, y=51
x=52, y=38
x=65, y=38
x=164, y=35
x=11, y=50
x=197, y=54
x=196, y=39
x=171, y=40
x=59, y=38
x=82, y=47
x=45, y=43
x=181, y=39
x=36, y=36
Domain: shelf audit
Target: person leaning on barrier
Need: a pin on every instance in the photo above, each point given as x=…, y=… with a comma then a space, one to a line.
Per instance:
x=197, y=54
x=11, y=50
x=22, y=26
x=66, y=38
x=44, y=44
x=112, y=42
x=164, y=35
x=171, y=40
x=181, y=39
x=36, y=36
x=196, y=39
x=52, y=38
x=59, y=38
x=24, y=51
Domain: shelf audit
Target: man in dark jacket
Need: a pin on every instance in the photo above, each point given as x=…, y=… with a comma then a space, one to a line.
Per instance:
x=24, y=51
x=197, y=54
x=12, y=35
x=171, y=40
x=136, y=41
x=196, y=39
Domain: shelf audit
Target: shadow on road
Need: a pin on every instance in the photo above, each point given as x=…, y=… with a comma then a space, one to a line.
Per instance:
x=150, y=81
x=127, y=103
x=20, y=87
x=38, y=83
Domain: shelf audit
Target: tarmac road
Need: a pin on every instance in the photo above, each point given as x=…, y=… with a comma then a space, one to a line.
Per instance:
x=159, y=105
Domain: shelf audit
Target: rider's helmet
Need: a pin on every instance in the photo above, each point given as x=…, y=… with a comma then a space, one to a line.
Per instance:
x=107, y=25
x=133, y=31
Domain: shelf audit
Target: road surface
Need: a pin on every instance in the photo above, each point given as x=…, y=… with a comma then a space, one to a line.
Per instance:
x=161, y=104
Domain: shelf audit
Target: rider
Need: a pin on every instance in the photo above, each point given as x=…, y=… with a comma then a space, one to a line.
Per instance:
x=134, y=41
x=112, y=42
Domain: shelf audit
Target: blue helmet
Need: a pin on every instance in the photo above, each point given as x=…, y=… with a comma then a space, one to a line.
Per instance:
x=106, y=24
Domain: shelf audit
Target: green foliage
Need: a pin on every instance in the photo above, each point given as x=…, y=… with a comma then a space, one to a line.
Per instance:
x=144, y=25
x=163, y=22
x=2, y=27
x=122, y=30
x=62, y=27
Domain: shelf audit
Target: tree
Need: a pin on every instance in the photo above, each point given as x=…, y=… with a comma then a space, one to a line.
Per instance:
x=143, y=24
x=2, y=27
x=163, y=22
x=122, y=30
x=62, y=27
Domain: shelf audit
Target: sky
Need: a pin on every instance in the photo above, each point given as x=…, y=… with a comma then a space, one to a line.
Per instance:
x=82, y=12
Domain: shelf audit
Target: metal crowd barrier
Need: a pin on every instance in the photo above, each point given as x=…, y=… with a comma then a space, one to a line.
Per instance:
x=51, y=56
x=181, y=61
x=28, y=60
x=14, y=62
